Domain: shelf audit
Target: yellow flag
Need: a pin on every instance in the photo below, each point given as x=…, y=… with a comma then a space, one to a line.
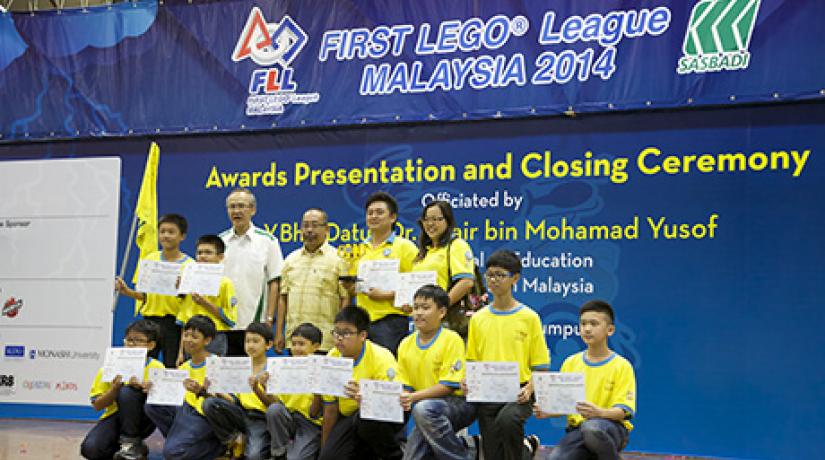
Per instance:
x=146, y=209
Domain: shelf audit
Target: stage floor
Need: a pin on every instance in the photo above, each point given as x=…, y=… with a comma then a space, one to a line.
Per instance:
x=48, y=439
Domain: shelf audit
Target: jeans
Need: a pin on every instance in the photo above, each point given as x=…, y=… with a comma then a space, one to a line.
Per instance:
x=436, y=423
x=129, y=422
x=389, y=331
x=595, y=438
x=188, y=435
x=285, y=426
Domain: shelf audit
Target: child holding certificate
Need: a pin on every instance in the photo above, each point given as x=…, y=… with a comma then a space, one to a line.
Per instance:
x=123, y=424
x=238, y=420
x=294, y=420
x=507, y=331
x=345, y=435
x=600, y=428
x=431, y=367
x=163, y=309
x=222, y=309
x=188, y=434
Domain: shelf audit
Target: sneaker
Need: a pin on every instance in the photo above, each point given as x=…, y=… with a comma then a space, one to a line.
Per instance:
x=238, y=446
x=473, y=444
x=533, y=443
x=131, y=450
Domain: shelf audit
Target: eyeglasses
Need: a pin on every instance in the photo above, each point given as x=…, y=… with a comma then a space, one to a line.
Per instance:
x=497, y=276
x=313, y=224
x=433, y=220
x=233, y=206
x=340, y=335
x=134, y=341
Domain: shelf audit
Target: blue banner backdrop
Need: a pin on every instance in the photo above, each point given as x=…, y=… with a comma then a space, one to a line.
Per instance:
x=701, y=227
x=143, y=67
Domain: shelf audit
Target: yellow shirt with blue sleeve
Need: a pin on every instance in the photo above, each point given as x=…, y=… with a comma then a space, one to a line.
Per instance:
x=99, y=387
x=157, y=304
x=511, y=335
x=395, y=247
x=251, y=401
x=301, y=404
x=374, y=363
x=608, y=383
x=226, y=302
x=459, y=266
x=423, y=365
x=197, y=372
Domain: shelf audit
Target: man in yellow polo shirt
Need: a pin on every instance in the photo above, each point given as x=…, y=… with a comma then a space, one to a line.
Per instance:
x=388, y=324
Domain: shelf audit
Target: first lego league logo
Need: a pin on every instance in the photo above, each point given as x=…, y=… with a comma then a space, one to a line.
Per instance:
x=273, y=46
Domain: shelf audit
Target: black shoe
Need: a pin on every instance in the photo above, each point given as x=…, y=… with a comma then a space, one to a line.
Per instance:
x=131, y=450
x=533, y=443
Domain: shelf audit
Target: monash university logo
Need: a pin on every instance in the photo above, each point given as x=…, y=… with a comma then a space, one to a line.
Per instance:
x=272, y=46
x=718, y=36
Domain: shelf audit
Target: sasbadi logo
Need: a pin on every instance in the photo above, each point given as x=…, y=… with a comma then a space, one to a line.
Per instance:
x=718, y=36
x=274, y=46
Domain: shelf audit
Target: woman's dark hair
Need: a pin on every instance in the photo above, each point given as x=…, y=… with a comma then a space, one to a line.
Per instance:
x=425, y=240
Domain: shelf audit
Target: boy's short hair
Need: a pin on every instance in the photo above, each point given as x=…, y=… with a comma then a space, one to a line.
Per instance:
x=598, y=306
x=434, y=293
x=214, y=240
x=144, y=326
x=308, y=331
x=261, y=329
x=176, y=220
x=505, y=259
x=202, y=324
x=356, y=316
x=385, y=197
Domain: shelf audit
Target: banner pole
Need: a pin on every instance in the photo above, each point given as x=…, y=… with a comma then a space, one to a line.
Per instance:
x=125, y=257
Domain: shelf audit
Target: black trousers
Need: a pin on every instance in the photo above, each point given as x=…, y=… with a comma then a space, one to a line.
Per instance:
x=169, y=340
x=353, y=438
x=502, y=430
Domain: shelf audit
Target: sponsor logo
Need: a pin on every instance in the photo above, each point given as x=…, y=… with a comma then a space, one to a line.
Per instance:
x=43, y=353
x=11, y=307
x=37, y=385
x=7, y=384
x=718, y=36
x=273, y=46
x=14, y=351
x=65, y=385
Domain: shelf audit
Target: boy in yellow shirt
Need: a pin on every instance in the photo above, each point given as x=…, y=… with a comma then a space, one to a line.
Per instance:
x=222, y=309
x=163, y=309
x=601, y=427
x=507, y=330
x=124, y=423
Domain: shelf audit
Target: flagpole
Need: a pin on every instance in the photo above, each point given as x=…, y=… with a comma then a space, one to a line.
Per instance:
x=126, y=257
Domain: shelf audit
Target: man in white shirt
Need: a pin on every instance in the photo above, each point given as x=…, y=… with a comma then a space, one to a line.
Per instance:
x=253, y=262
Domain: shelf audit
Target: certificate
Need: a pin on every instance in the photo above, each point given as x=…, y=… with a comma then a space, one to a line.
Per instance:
x=167, y=387
x=125, y=362
x=408, y=283
x=229, y=375
x=490, y=381
x=156, y=277
x=331, y=375
x=204, y=279
x=558, y=392
x=290, y=375
x=380, y=401
x=378, y=274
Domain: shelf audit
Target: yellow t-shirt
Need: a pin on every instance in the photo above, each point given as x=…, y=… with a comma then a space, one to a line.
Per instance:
x=251, y=401
x=197, y=372
x=301, y=403
x=99, y=387
x=374, y=363
x=226, y=302
x=161, y=305
x=514, y=335
x=461, y=262
x=422, y=365
x=395, y=247
x=607, y=383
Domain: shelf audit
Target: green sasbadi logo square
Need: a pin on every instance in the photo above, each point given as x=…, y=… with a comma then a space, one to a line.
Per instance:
x=718, y=36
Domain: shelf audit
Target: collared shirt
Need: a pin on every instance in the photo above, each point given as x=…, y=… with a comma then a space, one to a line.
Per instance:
x=251, y=261
x=460, y=265
x=374, y=363
x=310, y=282
x=157, y=304
x=423, y=365
x=608, y=383
x=99, y=387
x=225, y=301
x=394, y=247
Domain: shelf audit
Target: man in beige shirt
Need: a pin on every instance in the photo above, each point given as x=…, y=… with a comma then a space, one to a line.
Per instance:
x=310, y=288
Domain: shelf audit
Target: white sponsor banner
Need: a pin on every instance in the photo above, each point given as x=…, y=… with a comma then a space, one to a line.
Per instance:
x=58, y=241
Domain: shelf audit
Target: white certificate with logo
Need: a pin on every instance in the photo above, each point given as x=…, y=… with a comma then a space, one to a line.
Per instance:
x=378, y=274
x=491, y=381
x=204, y=279
x=380, y=401
x=331, y=375
x=408, y=283
x=558, y=392
x=125, y=362
x=167, y=387
x=156, y=277
x=290, y=375
x=229, y=374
